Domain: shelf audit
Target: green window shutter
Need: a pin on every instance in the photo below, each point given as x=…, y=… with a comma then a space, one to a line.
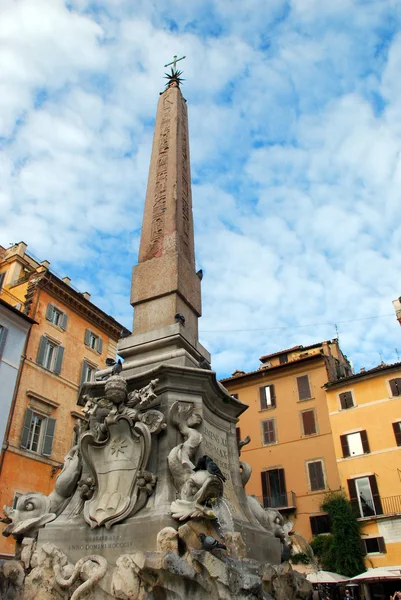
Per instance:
x=382, y=545
x=3, y=337
x=49, y=312
x=64, y=321
x=265, y=486
x=59, y=360
x=49, y=436
x=262, y=394
x=99, y=345
x=26, y=428
x=353, y=496
x=87, y=336
x=83, y=372
x=42, y=348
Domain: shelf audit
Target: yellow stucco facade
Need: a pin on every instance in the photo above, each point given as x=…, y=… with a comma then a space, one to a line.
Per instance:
x=292, y=456
x=365, y=418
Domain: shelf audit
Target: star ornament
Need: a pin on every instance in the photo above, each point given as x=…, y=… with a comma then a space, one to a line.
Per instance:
x=174, y=77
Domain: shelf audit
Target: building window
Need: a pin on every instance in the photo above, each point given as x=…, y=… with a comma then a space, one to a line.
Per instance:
x=38, y=433
x=3, y=337
x=88, y=372
x=304, y=392
x=283, y=359
x=2, y=278
x=316, y=475
x=273, y=488
x=308, y=419
x=269, y=432
x=397, y=432
x=346, y=400
x=320, y=524
x=267, y=397
x=50, y=355
x=373, y=545
x=93, y=341
x=364, y=496
x=355, y=444
x=56, y=316
x=395, y=386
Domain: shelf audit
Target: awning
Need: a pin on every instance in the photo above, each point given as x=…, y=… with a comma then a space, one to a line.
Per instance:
x=326, y=577
x=378, y=574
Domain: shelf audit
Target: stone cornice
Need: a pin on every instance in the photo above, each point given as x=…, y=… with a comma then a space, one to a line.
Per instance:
x=66, y=294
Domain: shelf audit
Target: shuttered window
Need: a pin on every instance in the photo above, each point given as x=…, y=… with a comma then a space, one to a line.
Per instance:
x=273, y=488
x=3, y=338
x=269, y=431
x=303, y=387
x=320, y=524
x=2, y=278
x=283, y=359
x=395, y=385
x=88, y=372
x=397, y=432
x=56, y=316
x=373, y=545
x=308, y=422
x=267, y=397
x=355, y=444
x=93, y=340
x=38, y=433
x=50, y=355
x=364, y=496
x=346, y=400
x=316, y=475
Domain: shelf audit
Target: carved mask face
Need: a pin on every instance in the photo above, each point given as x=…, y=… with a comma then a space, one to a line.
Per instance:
x=31, y=511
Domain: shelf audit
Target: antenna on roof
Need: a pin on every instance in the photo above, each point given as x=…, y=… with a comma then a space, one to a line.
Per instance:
x=398, y=356
x=337, y=333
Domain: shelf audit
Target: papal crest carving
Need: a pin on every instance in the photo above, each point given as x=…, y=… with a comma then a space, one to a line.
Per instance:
x=116, y=464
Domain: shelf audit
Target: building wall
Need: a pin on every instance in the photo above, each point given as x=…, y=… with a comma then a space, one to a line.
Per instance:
x=293, y=449
x=374, y=412
x=10, y=357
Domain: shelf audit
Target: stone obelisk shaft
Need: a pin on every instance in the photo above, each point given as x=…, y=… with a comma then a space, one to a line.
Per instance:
x=164, y=282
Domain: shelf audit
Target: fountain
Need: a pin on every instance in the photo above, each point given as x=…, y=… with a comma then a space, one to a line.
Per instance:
x=156, y=461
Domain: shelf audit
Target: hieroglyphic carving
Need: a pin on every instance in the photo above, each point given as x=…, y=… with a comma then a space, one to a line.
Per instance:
x=185, y=187
x=160, y=198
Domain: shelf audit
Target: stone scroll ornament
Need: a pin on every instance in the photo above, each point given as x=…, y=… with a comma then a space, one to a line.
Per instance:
x=116, y=450
x=194, y=489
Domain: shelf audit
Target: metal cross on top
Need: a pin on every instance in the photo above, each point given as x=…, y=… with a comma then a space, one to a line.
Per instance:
x=174, y=61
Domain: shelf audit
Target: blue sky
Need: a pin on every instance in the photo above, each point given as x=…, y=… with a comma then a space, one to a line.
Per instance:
x=295, y=133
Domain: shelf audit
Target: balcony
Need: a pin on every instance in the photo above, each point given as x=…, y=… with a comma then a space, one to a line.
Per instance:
x=391, y=505
x=284, y=501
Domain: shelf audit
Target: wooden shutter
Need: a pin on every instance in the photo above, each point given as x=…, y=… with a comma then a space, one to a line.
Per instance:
x=353, y=496
x=265, y=485
x=362, y=546
x=382, y=545
x=316, y=477
x=281, y=479
x=87, y=336
x=375, y=493
x=64, y=321
x=397, y=433
x=41, y=351
x=272, y=395
x=83, y=372
x=365, y=442
x=26, y=428
x=303, y=387
x=269, y=433
x=314, y=525
x=346, y=400
x=344, y=446
x=3, y=338
x=49, y=436
x=262, y=394
x=99, y=345
x=308, y=422
x=59, y=359
x=49, y=312
x=395, y=385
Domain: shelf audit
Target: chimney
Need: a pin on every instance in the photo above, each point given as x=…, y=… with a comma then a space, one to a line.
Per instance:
x=67, y=280
x=86, y=295
x=362, y=370
x=45, y=264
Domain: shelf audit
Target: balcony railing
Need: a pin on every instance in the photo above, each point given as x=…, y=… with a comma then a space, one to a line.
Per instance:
x=280, y=501
x=391, y=505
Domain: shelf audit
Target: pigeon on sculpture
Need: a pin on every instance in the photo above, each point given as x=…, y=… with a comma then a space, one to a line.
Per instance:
x=209, y=543
x=205, y=463
x=179, y=317
x=118, y=367
x=199, y=274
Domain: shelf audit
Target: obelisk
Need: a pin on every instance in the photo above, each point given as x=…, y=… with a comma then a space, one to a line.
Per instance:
x=166, y=293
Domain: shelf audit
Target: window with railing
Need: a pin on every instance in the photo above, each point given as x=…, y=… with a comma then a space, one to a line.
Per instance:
x=364, y=496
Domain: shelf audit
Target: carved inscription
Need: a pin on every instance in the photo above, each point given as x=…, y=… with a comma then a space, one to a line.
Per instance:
x=103, y=541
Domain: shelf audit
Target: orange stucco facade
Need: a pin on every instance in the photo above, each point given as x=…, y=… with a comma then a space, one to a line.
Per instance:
x=373, y=406
x=291, y=448
x=48, y=384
